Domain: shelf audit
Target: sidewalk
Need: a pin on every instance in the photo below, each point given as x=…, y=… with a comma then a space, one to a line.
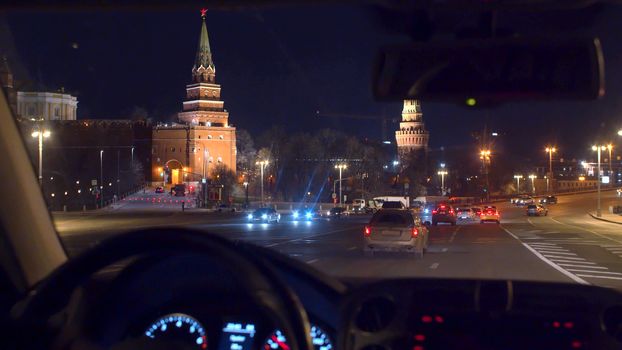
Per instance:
x=607, y=217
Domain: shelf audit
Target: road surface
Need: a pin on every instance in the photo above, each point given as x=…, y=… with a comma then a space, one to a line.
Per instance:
x=565, y=246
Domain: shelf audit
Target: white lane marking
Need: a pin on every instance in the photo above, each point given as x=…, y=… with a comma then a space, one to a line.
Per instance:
x=542, y=243
x=529, y=221
x=584, y=229
x=575, y=262
x=434, y=266
x=549, y=262
x=312, y=261
x=454, y=234
x=606, y=277
x=547, y=251
x=583, y=266
x=306, y=237
x=561, y=257
x=592, y=271
x=444, y=250
x=352, y=248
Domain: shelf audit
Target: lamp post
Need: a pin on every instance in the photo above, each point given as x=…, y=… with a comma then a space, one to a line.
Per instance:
x=442, y=173
x=518, y=177
x=40, y=134
x=246, y=190
x=550, y=150
x=610, y=149
x=263, y=164
x=341, y=167
x=484, y=155
x=533, y=185
x=101, y=178
x=598, y=149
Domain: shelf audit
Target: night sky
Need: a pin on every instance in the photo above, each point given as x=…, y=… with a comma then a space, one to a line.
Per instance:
x=279, y=66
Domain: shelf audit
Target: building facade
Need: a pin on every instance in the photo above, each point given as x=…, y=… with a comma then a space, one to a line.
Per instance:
x=46, y=105
x=412, y=134
x=203, y=139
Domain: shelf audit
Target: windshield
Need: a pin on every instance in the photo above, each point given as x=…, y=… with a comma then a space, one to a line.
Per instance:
x=196, y=119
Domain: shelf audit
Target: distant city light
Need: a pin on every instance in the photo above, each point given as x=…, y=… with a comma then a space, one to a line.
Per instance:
x=442, y=165
x=386, y=142
x=471, y=102
x=79, y=191
x=52, y=194
x=620, y=132
x=495, y=134
x=396, y=162
x=77, y=182
x=65, y=193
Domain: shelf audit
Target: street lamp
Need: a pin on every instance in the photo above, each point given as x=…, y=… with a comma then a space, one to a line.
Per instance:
x=263, y=164
x=101, y=178
x=610, y=148
x=598, y=149
x=550, y=150
x=442, y=173
x=246, y=189
x=40, y=135
x=518, y=177
x=341, y=167
x=533, y=185
x=484, y=155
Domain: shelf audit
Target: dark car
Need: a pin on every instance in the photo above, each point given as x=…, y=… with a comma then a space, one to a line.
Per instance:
x=264, y=215
x=225, y=207
x=444, y=213
x=537, y=210
x=336, y=212
x=159, y=189
x=549, y=200
x=395, y=229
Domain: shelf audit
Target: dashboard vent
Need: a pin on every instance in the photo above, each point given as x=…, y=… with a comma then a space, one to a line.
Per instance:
x=375, y=314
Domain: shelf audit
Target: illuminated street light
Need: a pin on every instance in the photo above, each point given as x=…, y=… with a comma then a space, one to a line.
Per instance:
x=598, y=149
x=246, y=189
x=518, y=177
x=263, y=164
x=620, y=132
x=610, y=149
x=442, y=173
x=533, y=185
x=40, y=135
x=341, y=167
x=550, y=150
x=484, y=155
x=101, y=178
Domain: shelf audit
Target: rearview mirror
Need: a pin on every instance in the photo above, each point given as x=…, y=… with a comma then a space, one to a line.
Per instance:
x=491, y=70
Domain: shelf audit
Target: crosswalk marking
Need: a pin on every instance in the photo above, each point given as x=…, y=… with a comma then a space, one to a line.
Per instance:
x=606, y=277
x=583, y=266
x=561, y=257
x=592, y=271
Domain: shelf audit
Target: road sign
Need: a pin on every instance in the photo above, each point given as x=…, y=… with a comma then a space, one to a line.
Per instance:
x=605, y=179
x=93, y=182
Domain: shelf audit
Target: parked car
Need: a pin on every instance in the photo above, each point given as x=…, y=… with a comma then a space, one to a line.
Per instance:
x=159, y=189
x=336, y=212
x=490, y=213
x=537, y=210
x=225, y=207
x=395, y=229
x=264, y=215
x=444, y=213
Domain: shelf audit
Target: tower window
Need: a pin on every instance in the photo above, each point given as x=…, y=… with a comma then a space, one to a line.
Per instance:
x=209, y=137
x=221, y=137
x=219, y=159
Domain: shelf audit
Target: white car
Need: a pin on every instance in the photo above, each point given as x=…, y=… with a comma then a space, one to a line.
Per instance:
x=464, y=214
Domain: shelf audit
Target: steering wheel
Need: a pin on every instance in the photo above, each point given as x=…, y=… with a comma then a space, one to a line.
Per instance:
x=258, y=278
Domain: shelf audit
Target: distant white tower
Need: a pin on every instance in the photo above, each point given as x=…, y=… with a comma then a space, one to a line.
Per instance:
x=412, y=134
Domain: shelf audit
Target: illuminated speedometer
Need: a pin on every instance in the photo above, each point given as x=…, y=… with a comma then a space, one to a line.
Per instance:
x=178, y=329
x=319, y=338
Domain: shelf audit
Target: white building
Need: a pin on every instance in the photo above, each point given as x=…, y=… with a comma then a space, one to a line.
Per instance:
x=412, y=134
x=46, y=105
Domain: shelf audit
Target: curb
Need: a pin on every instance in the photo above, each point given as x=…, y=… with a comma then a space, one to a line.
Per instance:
x=605, y=220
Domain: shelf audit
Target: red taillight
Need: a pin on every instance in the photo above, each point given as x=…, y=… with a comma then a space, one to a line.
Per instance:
x=442, y=207
x=414, y=233
x=451, y=211
x=367, y=231
x=433, y=211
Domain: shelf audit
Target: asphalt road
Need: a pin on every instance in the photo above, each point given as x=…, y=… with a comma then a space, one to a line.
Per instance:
x=566, y=246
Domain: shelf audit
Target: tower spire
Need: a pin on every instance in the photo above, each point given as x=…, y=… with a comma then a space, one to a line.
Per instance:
x=204, y=69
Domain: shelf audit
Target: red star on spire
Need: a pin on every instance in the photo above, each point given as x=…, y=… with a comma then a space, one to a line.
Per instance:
x=203, y=12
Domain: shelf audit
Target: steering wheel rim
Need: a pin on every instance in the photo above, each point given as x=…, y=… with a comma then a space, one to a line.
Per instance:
x=54, y=292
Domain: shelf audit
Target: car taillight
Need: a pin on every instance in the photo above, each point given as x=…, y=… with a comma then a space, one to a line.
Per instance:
x=415, y=232
x=367, y=231
x=451, y=211
x=434, y=211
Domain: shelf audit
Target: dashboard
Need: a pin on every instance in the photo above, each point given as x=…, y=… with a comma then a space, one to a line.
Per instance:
x=187, y=302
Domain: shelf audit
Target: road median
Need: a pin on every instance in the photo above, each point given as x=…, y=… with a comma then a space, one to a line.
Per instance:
x=611, y=218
